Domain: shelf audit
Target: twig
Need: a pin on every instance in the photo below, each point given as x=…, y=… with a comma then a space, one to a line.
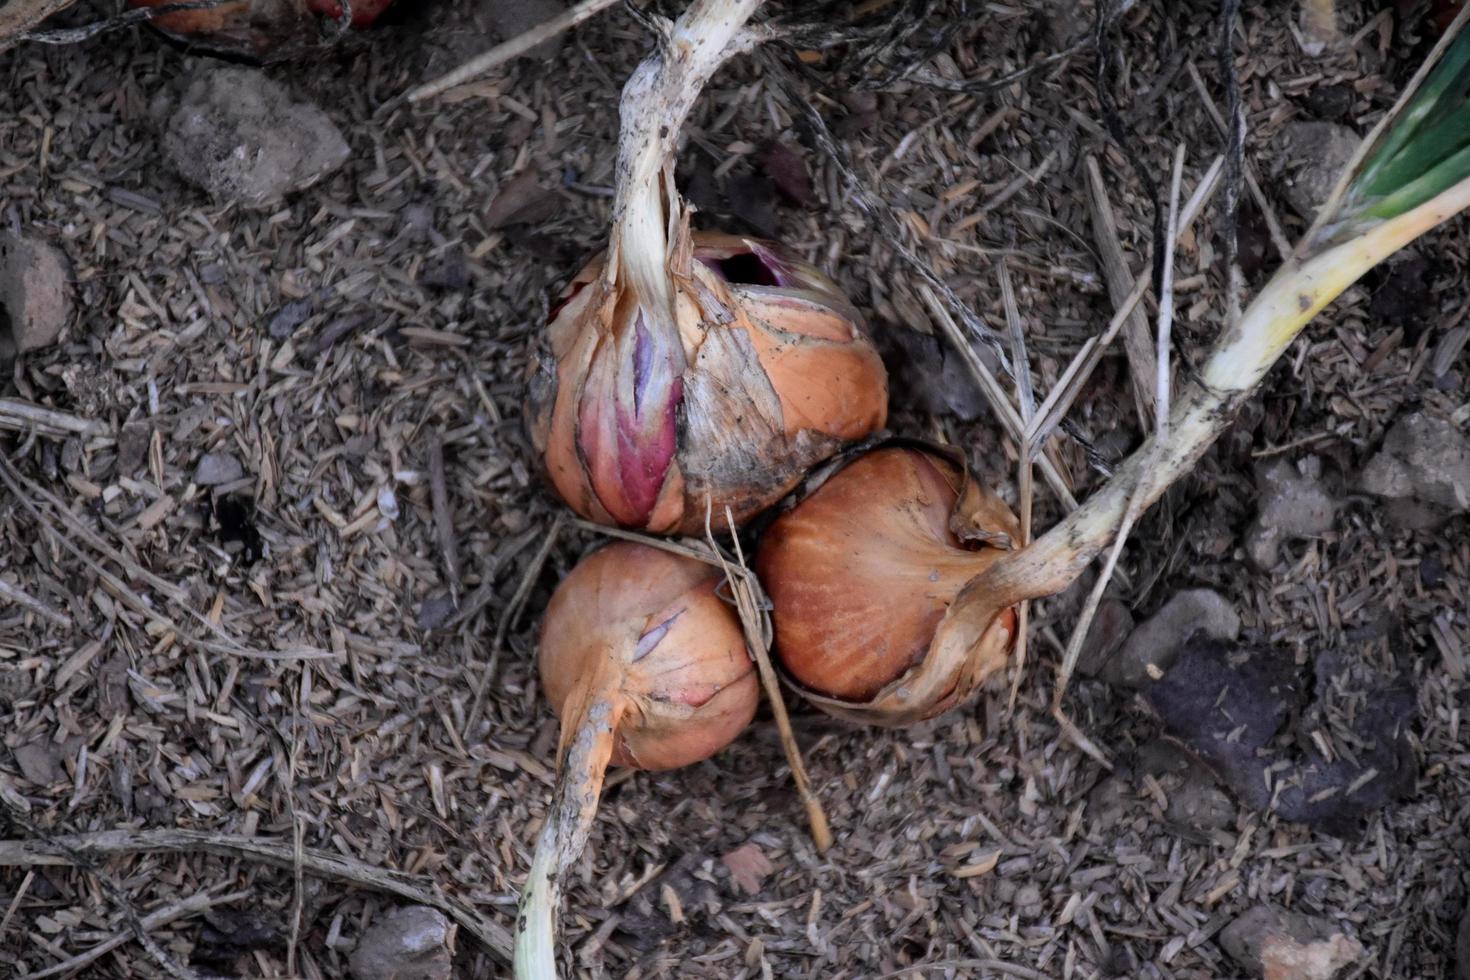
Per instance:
x=14, y=594
x=109, y=887
x=25, y=884
x=77, y=848
x=1234, y=157
x=19, y=16
x=20, y=416
x=508, y=50
x=1268, y=213
x=1059, y=400
x=1164, y=380
x=755, y=622
x=509, y=616
x=995, y=395
x=1136, y=343
x=157, y=919
x=1024, y=488
x=443, y=516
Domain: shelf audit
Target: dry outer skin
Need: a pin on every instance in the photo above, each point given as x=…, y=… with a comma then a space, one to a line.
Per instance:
x=865, y=567
x=778, y=378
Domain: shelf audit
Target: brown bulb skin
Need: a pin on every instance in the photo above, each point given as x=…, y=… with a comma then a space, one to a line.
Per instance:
x=778, y=376
x=861, y=572
x=652, y=622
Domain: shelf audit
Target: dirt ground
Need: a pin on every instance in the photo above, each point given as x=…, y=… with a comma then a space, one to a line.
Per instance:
x=310, y=685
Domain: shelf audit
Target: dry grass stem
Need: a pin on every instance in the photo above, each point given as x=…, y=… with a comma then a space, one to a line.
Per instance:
x=511, y=49
x=195, y=904
x=67, y=850
x=1165, y=373
x=1137, y=344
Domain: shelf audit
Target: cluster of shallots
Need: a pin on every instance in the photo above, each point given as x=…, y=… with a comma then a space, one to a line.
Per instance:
x=686, y=382
x=691, y=380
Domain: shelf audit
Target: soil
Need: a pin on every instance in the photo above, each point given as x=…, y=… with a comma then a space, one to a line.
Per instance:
x=278, y=656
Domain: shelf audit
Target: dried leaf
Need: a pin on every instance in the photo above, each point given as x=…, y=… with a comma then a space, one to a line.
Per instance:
x=521, y=200
x=788, y=171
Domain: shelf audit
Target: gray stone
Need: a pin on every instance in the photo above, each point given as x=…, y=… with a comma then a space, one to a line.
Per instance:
x=1246, y=937
x=240, y=136
x=1422, y=471
x=1200, y=805
x=411, y=943
x=1153, y=646
x=1316, y=153
x=215, y=469
x=1293, y=503
x=40, y=761
x=35, y=294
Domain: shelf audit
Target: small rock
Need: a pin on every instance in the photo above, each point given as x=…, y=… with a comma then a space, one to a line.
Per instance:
x=40, y=761
x=418, y=221
x=1333, y=103
x=1315, y=153
x=290, y=316
x=512, y=18
x=1423, y=471
x=1319, y=30
x=35, y=294
x=435, y=611
x=215, y=469
x=240, y=136
x=1155, y=644
x=1028, y=900
x=411, y=943
x=1293, y=503
x=1282, y=945
x=1200, y=805
x=132, y=447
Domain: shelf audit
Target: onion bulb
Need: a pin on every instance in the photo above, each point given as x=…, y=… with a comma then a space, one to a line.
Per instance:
x=646, y=666
x=684, y=373
x=863, y=574
x=261, y=30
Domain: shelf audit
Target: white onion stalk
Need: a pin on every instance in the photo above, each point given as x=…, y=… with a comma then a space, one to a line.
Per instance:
x=1411, y=174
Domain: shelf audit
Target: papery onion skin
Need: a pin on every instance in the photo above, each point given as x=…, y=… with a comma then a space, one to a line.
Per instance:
x=861, y=572
x=261, y=30
x=654, y=618
x=775, y=375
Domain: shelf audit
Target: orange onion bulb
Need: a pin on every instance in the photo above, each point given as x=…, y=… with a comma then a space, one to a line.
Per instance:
x=864, y=572
x=646, y=666
x=760, y=370
x=685, y=373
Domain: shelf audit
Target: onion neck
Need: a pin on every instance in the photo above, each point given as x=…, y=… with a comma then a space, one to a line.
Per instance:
x=656, y=101
x=589, y=731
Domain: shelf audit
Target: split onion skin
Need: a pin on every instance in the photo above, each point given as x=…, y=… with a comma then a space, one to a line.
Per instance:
x=862, y=571
x=778, y=375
